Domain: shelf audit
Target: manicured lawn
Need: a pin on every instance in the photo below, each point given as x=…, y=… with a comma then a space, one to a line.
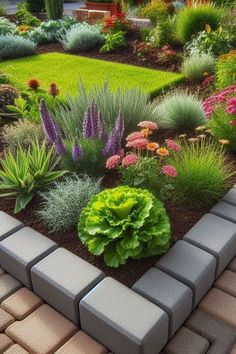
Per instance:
x=66, y=70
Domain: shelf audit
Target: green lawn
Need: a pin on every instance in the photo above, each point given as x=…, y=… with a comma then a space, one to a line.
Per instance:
x=66, y=70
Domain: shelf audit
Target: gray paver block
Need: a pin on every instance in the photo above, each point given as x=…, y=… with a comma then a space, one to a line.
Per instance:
x=230, y=197
x=63, y=279
x=225, y=210
x=20, y=251
x=187, y=342
x=8, y=285
x=221, y=335
x=122, y=320
x=8, y=225
x=168, y=293
x=190, y=265
x=216, y=236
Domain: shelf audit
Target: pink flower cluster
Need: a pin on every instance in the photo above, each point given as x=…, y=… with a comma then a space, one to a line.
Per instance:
x=171, y=144
x=169, y=170
x=139, y=144
x=146, y=124
x=117, y=160
x=210, y=104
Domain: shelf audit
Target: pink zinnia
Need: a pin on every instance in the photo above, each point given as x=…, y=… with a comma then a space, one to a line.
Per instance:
x=173, y=145
x=134, y=136
x=113, y=162
x=233, y=122
x=140, y=144
x=148, y=125
x=169, y=171
x=129, y=160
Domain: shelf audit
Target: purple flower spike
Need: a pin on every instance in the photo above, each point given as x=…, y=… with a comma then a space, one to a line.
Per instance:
x=113, y=145
x=60, y=146
x=94, y=119
x=87, y=124
x=48, y=124
x=120, y=125
x=101, y=130
x=76, y=152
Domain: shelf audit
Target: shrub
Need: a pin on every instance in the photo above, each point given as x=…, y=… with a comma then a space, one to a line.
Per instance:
x=15, y=47
x=26, y=173
x=6, y=27
x=181, y=112
x=116, y=23
x=113, y=41
x=124, y=223
x=25, y=17
x=191, y=20
x=226, y=70
x=163, y=33
x=63, y=203
x=156, y=10
x=81, y=37
x=203, y=174
x=22, y=133
x=135, y=105
x=198, y=65
x=54, y=9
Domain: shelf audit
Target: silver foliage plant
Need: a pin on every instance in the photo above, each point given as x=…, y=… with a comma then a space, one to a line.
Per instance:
x=63, y=203
x=134, y=104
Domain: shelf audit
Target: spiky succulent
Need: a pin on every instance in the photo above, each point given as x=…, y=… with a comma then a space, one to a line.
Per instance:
x=8, y=94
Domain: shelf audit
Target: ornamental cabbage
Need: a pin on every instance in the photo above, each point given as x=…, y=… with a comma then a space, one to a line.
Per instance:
x=123, y=223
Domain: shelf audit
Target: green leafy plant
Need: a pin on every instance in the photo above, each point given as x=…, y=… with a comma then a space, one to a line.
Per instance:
x=54, y=9
x=226, y=70
x=156, y=10
x=6, y=27
x=15, y=47
x=3, y=7
x=25, y=17
x=198, y=65
x=81, y=36
x=113, y=41
x=203, y=173
x=163, y=33
x=64, y=201
x=193, y=19
x=26, y=173
x=181, y=112
x=124, y=223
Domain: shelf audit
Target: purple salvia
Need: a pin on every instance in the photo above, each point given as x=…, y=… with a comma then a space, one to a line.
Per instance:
x=87, y=124
x=76, y=152
x=111, y=147
x=47, y=122
x=120, y=125
x=60, y=146
x=101, y=129
x=94, y=119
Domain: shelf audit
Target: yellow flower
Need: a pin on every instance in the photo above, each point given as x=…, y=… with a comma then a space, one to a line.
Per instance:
x=146, y=132
x=152, y=146
x=200, y=128
x=162, y=152
x=224, y=141
x=208, y=28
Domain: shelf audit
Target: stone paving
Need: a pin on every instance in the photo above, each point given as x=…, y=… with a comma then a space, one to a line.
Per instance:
x=29, y=325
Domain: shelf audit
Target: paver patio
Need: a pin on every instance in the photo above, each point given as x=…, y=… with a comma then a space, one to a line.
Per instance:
x=28, y=325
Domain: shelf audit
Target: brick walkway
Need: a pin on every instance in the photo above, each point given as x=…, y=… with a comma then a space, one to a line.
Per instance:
x=28, y=325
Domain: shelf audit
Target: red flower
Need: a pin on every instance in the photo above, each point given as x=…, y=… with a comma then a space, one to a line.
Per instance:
x=34, y=84
x=53, y=89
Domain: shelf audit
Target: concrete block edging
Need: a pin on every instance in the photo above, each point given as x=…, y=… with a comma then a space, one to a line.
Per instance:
x=217, y=246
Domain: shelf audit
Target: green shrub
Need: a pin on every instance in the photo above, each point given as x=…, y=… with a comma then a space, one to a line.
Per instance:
x=54, y=9
x=163, y=33
x=6, y=27
x=3, y=7
x=25, y=17
x=197, y=65
x=63, y=203
x=156, y=10
x=36, y=6
x=193, y=19
x=81, y=37
x=26, y=173
x=203, y=174
x=22, y=132
x=181, y=112
x=226, y=70
x=113, y=41
x=124, y=223
x=135, y=104
x=15, y=47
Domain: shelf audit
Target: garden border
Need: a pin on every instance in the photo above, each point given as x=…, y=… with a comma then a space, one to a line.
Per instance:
x=139, y=320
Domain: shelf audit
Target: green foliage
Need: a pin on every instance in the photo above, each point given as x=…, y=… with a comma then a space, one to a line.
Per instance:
x=54, y=9
x=203, y=174
x=155, y=10
x=36, y=5
x=25, y=17
x=63, y=203
x=22, y=133
x=163, y=33
x=193, y=19
x=92, y=161
x=181, y=112
x=6, y=27
x=113, y=41
x=81, y=36
x=197, y=65
x=3, y=7
x=15, y=47
x=134, y=103
x=26, y=173
x=215, y=42
x=124, y=223
x=226, y=70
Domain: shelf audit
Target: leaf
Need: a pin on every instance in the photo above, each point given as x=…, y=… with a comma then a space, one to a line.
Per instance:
x=21, y=201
